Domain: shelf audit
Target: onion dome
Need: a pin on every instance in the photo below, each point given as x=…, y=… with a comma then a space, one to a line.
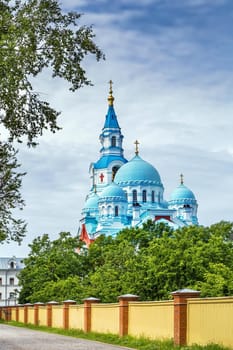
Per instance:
x=92, y=202
x=137, y=171
x=113, y=191
x=182, y=195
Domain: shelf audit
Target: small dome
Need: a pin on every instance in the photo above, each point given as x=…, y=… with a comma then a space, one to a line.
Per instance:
x=182, y=192
x=139, y=171
x=113, y=190
x=92, y=202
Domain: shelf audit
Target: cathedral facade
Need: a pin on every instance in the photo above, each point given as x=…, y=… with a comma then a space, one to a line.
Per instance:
x=128, y=193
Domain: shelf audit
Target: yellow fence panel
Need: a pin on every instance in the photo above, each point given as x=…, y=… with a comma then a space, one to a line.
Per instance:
x=105, y=318
x=21, y=314
x=57, y=316
x=76, y=317
x=42, y=316
x=210, y=320
x=13, y=314
x=151, y=319
x=31, y=315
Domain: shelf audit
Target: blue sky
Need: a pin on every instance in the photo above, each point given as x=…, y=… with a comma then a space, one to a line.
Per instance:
x=172, y=68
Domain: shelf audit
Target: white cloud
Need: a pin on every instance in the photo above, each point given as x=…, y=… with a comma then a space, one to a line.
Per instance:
x=179, y=107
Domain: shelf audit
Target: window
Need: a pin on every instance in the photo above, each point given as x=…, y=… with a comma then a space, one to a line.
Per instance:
x=153, y=196
x=116, y=211
x=12, y=265
x=0, y=281
x=12, y=281
x=12, y=295
x=144, y=196
x=0, y=296
x=135, y=197
x=113, y=141
x=114, y=171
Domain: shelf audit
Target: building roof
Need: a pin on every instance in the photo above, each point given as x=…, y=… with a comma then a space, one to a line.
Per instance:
x=5, y=263
x=137, y=171
x=104, y=161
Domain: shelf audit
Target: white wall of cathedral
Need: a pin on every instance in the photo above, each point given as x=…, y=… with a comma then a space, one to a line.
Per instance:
x=144, y=195
x=114, y=210
x=103, y=177
x=185, y=213
x=111, y=139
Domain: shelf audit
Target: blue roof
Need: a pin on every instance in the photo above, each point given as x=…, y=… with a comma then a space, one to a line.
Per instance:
x=182, y=192
x=104, y=161
x=92, y=202
x=137, y=170
x=111, y=119
x=113, y=190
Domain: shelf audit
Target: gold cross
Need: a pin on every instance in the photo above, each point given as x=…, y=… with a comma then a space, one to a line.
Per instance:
x=110, y=83
x=181, y=179
x=136, y=149
x=110, y=97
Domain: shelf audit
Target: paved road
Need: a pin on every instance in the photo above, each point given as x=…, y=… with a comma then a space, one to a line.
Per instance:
x=15, y=338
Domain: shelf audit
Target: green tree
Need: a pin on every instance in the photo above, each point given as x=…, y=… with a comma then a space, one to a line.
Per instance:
x=10, y=197
x=36, y=35
x=151, y=262
x=48, y=264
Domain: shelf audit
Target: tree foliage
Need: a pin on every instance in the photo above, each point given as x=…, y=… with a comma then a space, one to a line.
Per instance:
x=10, y=197
x=35, y=35
x=151, y=262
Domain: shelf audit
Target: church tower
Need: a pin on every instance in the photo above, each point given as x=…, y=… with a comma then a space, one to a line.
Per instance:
x=129, y=193
x=102, y=172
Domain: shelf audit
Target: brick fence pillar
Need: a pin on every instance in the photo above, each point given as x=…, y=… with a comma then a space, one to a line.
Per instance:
x=66, y=308
x=124, y=312
x=50, y=311
x=26, y=306
x=36, y=313
x=87, y=312
x=180, y=313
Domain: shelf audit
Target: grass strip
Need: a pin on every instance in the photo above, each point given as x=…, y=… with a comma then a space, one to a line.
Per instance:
x=140, y=343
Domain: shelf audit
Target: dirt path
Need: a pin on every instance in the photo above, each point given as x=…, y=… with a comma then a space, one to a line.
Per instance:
x=15, y=338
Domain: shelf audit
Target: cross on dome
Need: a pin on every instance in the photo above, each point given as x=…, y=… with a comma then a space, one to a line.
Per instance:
x=110, y=97
x=181, y=179
x=136, y=148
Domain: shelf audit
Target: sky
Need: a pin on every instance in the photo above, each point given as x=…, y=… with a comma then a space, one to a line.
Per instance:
x=172, y=70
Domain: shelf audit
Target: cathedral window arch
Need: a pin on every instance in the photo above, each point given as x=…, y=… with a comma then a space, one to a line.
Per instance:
x=116, y=211
x=144, y=196
x=135, y=196
x=114, y=171
x=113, y=141
x=153, y=196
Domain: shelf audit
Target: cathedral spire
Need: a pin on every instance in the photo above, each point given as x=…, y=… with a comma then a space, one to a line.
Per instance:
x=110, y=97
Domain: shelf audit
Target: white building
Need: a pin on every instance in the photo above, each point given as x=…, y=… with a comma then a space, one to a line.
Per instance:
x=9, y=288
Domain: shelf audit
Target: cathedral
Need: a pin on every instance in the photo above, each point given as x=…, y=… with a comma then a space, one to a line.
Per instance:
x=129, y=193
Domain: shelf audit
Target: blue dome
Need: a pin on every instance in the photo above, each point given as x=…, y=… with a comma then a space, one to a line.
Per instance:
x=92, y=202
x=113, y=190
x=139, y=171
x=182, y=193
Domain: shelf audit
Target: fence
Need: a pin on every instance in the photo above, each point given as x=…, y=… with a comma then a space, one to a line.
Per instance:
x=187, y=319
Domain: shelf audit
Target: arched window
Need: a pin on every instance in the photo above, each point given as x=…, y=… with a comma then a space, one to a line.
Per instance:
x=116, y=211
x=135, y=196
x=153, y=196
x=113, y=141
x=144, y=196
x=114, y=171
